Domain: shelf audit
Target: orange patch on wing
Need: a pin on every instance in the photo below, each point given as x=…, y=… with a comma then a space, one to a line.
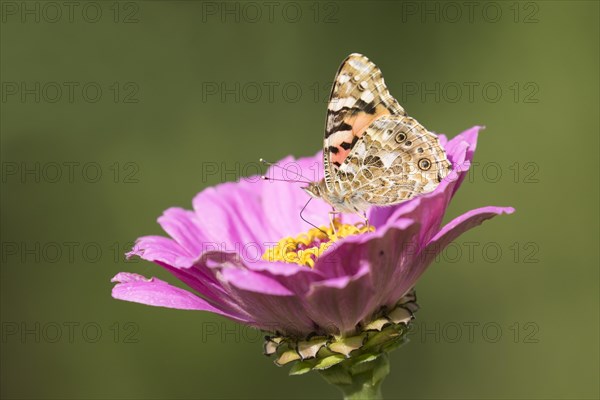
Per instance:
x=359, y=123
x=342, y=153
x=361, y=120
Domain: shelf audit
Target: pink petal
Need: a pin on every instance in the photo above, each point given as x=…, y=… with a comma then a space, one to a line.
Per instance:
x=154, y=292
x=183, y=226
x=339, y=304
x=160, y=249
x=254, y=282
x=466, y=221
x=445, y=236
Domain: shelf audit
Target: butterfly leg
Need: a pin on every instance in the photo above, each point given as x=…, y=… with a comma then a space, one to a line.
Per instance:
x=332, y=215
x=366, y=220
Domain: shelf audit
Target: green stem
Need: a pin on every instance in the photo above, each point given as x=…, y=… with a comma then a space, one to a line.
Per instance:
x=359, y=381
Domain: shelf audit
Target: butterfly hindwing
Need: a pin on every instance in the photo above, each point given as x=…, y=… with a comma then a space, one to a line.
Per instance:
x=395, y=160
x=359, y=96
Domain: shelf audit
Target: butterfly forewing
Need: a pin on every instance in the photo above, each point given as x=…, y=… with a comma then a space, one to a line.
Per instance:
x=358, y=97
x=374, y=154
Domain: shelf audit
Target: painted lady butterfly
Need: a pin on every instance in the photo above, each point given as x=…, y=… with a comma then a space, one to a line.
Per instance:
x=374, y=154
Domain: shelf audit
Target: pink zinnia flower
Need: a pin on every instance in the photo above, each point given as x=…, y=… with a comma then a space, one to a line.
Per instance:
x=223, y=250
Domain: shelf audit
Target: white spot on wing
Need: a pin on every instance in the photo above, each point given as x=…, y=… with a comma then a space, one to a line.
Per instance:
x=380, y=124
x=349, y=168
x=343, y=78
x=367, y=96
x=358, y=64
x=338, y=104
x=340, y=136
x=360, y=149
x=388, y=159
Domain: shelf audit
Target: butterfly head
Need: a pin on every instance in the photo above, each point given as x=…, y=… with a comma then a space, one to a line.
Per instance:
x=315, y=189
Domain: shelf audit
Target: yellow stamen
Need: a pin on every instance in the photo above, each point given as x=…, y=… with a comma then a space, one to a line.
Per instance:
x=305, y=248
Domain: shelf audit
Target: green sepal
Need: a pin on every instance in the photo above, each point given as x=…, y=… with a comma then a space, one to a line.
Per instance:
x=347, y=345
x=329, y=362
x=377, y=325
x=302, y=367
x=357, y=362
x=395, y=344
x=380, y=338
x=362, y=359
x=287, y=357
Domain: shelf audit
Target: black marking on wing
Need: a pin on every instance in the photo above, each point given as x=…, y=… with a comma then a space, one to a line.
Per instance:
x=341, y=127
x=334, y=149
x=335, y=119
x=362, y=105
x=336, y=126
x=342, y=110
x=348, y=146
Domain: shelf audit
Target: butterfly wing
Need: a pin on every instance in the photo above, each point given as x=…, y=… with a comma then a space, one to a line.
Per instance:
x=395, y=160
x=358, y=97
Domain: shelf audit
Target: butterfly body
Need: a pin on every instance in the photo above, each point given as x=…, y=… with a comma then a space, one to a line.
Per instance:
x=373, y=153
x=347, y=202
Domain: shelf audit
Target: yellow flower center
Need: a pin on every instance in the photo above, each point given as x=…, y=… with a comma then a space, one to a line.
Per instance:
x=305, y=248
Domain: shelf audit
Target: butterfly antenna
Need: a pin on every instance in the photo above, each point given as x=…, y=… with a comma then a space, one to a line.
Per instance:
x=266, y=178
x=308, y=222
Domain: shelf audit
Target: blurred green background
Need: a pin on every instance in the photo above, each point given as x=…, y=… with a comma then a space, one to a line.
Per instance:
x=112, y=111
